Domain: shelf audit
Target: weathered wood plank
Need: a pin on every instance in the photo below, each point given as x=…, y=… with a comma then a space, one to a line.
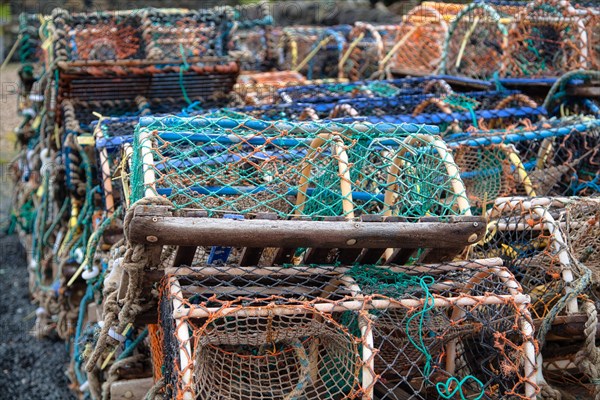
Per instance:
x=133, y=389
x=291, y=234
x=251, y=255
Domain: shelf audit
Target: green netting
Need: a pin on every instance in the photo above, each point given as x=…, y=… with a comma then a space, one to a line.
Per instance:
x=247, y=166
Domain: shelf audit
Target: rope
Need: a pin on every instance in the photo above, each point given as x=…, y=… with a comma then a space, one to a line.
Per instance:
x=443, y=388
x=154, y=392
x=588, y=358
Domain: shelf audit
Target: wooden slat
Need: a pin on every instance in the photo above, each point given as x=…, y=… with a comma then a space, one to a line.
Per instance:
x=436, y=255
x=401, y=256
x=251, y=255
x=284, y=255
x=168, y=230
x=184, y=255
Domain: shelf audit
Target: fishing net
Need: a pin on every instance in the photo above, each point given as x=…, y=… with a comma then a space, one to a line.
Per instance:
x=418, y=45
x=323, y=332
x=546, y=39
x=582, y=218
x=362, y=53
x=246, y=166
x=364, y=89
x=559, y=157
x=450, y=111
x=312, y=51
x=475, y=43
x=524, y=233
x=490, y=172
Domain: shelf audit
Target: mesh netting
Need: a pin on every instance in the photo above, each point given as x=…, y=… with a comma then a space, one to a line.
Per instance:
x=262, y=88
x=252, y=39
x=362, y=54
x=419, y=42
x=313, y=51
x=364, y=89
x=583, y=232
x=450, y=111
x=152, y=34
x=246, y=166
x=321, y=333
x=528, y=238
x=490, y=172
x=558, y=157
x=475, y=43
x=545, y=40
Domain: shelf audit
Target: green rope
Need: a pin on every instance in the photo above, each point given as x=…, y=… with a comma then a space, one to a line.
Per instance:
x=129, y=349
x=184, y=68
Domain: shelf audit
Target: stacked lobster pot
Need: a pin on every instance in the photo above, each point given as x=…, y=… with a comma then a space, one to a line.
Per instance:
x=78, y=68
x=221, y=208
x=307, y=260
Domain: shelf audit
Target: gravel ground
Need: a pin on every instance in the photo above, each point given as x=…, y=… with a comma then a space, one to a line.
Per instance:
x=30, y=369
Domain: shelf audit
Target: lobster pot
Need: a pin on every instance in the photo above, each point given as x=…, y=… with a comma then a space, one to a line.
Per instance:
x=452, y=113
x=546, y=39
x=98, y=37
x=250, y=47
x=143, y=52
x=490, y=108
x=558, y=157
x=594, y=37
x=363, y=53
x=367, y=331
x=564, y=366
x=332, y=92
x=175, y=35
x=262, y=88
x=420, y=351
x=568, y=164
x=475, y=43
x=313, y=51
x=272, y=345
x=490, y=172
x=294, y=169
x=525, y=233
x=583, y=233
x=448, y=11
x=418, y=45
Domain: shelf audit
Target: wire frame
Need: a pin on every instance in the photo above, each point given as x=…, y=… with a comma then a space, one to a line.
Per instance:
x=475, y=43
x=246, y=166
x=546, y=39
x=346, y=332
